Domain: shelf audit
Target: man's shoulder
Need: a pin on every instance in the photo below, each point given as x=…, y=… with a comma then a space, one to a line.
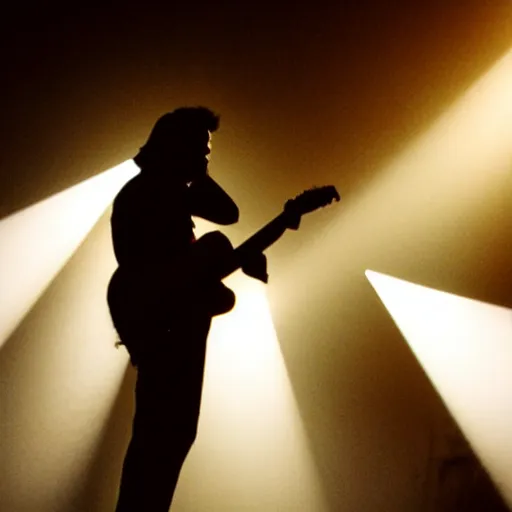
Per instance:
x=139, y=193
x=132, y=186
x=132, y=191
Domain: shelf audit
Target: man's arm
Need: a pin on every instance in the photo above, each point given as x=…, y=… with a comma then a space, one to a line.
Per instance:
x=209, y=201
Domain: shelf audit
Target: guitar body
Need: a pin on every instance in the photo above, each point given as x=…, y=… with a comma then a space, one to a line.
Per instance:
x=210, y=255
x=141, y=298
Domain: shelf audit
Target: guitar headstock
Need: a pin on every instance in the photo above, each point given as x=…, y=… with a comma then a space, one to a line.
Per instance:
x=312, y=199
x=309, y=201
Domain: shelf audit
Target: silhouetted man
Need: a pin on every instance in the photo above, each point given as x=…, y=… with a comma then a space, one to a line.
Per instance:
x=160, y=308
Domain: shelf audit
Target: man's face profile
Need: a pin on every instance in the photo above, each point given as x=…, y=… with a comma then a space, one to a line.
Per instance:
x=193, y=154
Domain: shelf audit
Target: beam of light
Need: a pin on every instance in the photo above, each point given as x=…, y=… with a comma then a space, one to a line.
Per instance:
x=251, y=453
x=60, y=377
x=449, y=185
x=36, y=242
x=465, y=348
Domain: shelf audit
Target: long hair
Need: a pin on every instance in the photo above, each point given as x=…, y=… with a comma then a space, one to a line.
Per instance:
x=173, y=129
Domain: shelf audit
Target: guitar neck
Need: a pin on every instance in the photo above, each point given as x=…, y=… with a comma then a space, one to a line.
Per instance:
x=257, y=243
x=306, y=202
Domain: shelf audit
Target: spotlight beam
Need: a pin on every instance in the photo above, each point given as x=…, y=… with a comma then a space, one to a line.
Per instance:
x=465, y=347
x=37, y=241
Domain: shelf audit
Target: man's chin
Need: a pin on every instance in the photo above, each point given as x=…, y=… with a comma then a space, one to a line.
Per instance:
x=198, y=172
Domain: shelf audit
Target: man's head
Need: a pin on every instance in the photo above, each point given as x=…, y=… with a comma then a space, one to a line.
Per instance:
x=180, y=143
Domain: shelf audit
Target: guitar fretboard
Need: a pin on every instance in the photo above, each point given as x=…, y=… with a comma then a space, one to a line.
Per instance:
x=258, y=242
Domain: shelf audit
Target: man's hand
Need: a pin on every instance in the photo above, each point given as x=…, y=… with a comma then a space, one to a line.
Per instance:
x=209, y=201
x=255, y=265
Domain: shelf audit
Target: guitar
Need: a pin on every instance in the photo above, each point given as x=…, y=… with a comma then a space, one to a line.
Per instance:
x=217, y=258
x=198, y=276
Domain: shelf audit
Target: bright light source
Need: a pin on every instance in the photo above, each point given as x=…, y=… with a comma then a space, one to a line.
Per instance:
x=251, y=452
x=465, y=347
x=36, y=242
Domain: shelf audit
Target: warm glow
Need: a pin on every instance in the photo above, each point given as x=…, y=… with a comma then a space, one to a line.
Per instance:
x=252, y=453
x=35, y=243
x=447, y=186
x=465, y=347
x=61, y=374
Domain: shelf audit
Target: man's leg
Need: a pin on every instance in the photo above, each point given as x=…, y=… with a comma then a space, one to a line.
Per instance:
x=151, y=468
x=168, y=398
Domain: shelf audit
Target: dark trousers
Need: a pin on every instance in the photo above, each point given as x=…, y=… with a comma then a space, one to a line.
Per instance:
x=167, y=404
